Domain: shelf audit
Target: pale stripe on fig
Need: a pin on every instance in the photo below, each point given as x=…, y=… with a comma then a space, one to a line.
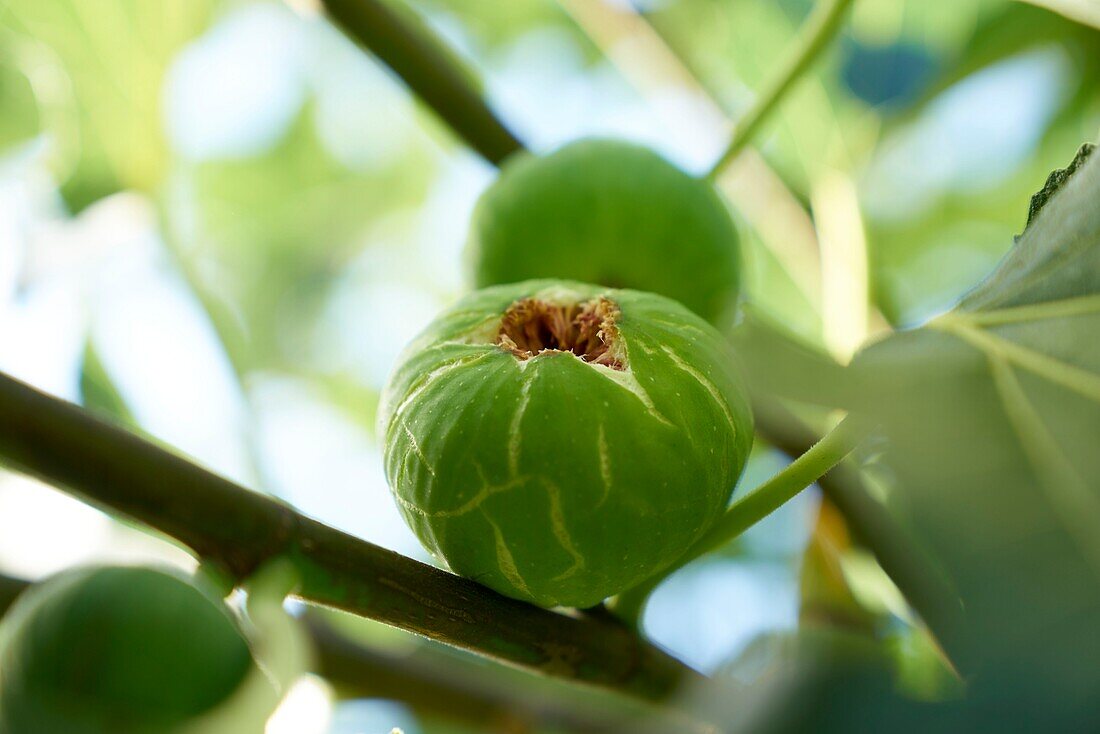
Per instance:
x=627, y=380
x=431, y=377
x=557, y=516
x=505, y=562
x=487, y=490
x=415, y=447
x=515, y=437
x=706, y=383
x=605, y=464
x=411, y=506
x=676, y=327
x=557, y=524
x=482, y=332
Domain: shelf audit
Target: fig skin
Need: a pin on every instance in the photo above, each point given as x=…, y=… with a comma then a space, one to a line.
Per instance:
x=613, y=213
x=564, y=478
x=126, y=650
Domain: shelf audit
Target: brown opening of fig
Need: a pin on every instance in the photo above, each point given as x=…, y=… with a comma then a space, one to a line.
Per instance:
x=531, y=326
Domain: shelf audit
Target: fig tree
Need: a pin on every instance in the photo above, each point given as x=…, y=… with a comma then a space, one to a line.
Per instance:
x=612, y=213
x=561, y=442
x=119, y=650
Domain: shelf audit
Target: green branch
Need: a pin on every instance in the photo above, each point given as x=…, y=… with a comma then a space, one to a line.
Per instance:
x=813, y=37
x=429, y=681
x=405, y=44
x=237, y=530
x=426, y=681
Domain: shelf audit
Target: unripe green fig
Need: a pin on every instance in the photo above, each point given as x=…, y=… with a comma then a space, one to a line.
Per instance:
x=560, y=442
x=613, y=213
x=116, y=650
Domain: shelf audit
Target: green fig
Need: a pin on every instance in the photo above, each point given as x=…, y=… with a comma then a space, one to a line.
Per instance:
x=116, y=650
x=560, y=442
x=612, y=213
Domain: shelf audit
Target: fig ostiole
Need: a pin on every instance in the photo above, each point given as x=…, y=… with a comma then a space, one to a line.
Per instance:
x=560, y=442
x=612, y=213
x=121, y=650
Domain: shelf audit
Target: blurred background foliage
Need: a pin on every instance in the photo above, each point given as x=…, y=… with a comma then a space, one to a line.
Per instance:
x=220, y=221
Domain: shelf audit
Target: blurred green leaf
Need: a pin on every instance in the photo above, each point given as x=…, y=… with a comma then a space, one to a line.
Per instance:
x=1055, y=181
x=776, y=362
x=272, y=233
x=10, y=589
x=97, y=391
x=817, y=679
x=20, y=119
x=769, y=287
x=99, y=64
x=992, y=413
x=1005, y=30
x=1083, y=11
x=279, y=641
x=494, y=24
x=826, y=598
x=923, y=672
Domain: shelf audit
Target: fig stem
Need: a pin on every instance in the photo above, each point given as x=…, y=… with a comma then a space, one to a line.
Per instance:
x=227, y=525
x=408, y=46
x=751, y=508
x=876, y=528
x=813, y=37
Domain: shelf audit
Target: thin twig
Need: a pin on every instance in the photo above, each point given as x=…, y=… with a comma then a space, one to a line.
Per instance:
x=654, y=66
x=804, y=471
x=238, y=530
x=813, y=37
x=430, y=681
x=412, y=50
x=753, y=507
